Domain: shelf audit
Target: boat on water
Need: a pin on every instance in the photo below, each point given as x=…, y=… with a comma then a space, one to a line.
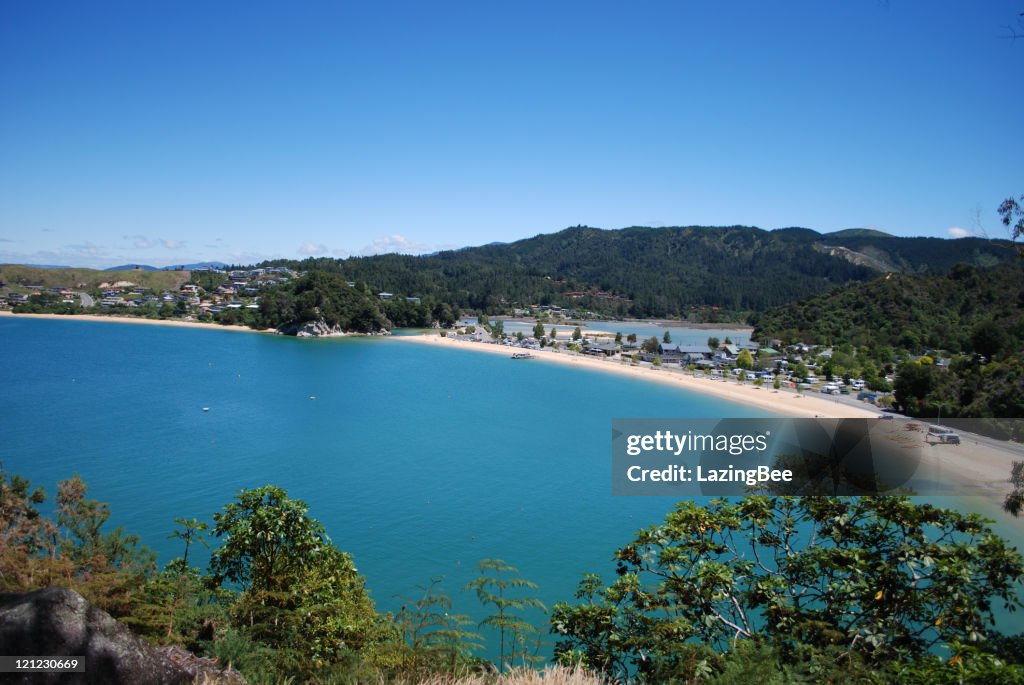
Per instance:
x=522, y=355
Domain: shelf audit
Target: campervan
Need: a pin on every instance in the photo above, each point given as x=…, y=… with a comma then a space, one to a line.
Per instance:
x=943, y=435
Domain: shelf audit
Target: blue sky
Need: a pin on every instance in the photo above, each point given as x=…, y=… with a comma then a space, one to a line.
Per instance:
x=169, y=132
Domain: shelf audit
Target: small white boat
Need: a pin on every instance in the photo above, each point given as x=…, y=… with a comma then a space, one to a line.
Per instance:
x=206, y=409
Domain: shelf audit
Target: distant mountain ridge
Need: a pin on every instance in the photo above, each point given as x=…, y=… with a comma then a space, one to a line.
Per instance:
x=696, y=273
x=860, y=233
x=659, y=272
x=175, y=267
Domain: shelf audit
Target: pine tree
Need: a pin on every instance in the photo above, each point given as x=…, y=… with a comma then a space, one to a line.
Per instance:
x=494, y=587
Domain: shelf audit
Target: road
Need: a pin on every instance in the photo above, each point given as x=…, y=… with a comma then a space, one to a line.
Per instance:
x=961, y=426
x=86, y=300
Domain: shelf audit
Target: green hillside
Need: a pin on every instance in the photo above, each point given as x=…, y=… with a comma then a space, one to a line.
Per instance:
x=17, y=277
x=908, y=311
x=957, y=339
x=658, y=272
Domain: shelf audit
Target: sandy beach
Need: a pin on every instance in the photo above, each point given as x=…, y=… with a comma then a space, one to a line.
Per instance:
x=978, y=466
x=176, y=323
x=785, y=403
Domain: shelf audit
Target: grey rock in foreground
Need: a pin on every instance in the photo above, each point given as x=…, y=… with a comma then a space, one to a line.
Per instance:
x=55, y=622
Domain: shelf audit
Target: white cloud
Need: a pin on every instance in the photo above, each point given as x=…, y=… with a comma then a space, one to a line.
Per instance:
x=312, y=249
x=141, y=242
x=86, y=249
x=244, y=257
x=394, y=243
x=85, y=254
x=957, y=232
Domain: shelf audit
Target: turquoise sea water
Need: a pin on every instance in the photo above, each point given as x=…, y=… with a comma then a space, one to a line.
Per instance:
x=419, y=461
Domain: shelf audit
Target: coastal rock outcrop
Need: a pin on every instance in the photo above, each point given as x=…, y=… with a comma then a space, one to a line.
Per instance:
x=57, y=622
x=318, y=329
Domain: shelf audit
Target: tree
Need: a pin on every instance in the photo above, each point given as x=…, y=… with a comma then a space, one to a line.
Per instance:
x=666, y=338
x=745, y=360
x=178, y=606
x=107, y=568
x=433, y=634
x=268, y=538
x=577, y=333
x=618, y=338
x=538, y=330
x=914, y=382
x=1014, y=501
x=988, y=338
x=1011, y=213
x=28, y=551
x=497, y=586
x=191, y=531
x=299, y=592
x=554, y=334
x=631, y=338
x=879, y=576
x=713, y=343
x=651, y=345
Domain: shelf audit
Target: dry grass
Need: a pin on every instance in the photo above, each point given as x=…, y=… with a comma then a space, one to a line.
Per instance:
x=16, y=275
x=554, y=675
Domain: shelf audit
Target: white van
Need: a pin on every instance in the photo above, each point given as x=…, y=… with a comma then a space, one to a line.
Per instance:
x=830, y=389
x=942, y=434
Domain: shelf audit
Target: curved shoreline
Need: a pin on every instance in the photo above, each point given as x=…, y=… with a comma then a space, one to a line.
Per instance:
x=783, y=403
x=174, y=323
x=985, y=469
x=979, y=469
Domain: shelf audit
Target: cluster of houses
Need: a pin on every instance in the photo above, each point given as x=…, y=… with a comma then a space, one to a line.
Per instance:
x=556, y=313
x=770, y=362
x=14, y=297
x=240, y=289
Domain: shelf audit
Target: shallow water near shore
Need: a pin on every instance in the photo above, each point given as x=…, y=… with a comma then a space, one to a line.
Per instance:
x=418, y=460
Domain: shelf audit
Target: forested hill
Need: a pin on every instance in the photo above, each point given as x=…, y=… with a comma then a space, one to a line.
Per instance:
x=658, y=272
x=970, y=310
